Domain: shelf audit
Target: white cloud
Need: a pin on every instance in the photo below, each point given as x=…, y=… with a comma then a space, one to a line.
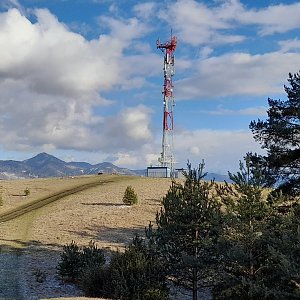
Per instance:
x=51, y=79
x=125, y=30
x=51, y=122
x=272, y=19
x=126, y=159
x=205, y=52
x=290, y=45
x=197, y=24
x=53, y=60
x=220, y=149
x=277, y=18
x=145, y=10
x=250, y=111
x=238, y=74
x=137, y=68
x=136, y=123
x=147, y=155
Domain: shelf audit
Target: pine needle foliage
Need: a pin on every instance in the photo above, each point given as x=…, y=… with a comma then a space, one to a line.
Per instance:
x=75, y=259
x=262, y=240
x=279, y=134
x=130, y=197
x=188, y=229
x=136, y=274
x=70, y=263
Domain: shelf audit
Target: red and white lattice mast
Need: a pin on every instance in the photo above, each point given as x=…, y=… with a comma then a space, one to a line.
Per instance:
x=167, y=158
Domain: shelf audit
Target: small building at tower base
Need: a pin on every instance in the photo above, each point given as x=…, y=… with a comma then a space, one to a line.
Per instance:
x=164, y=172
x=159, y=172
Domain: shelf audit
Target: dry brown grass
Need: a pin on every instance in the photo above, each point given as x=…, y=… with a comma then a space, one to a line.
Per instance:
x=96, y=214
x=13, y=190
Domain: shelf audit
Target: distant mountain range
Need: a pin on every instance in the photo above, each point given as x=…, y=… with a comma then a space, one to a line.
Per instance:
x=46, y=165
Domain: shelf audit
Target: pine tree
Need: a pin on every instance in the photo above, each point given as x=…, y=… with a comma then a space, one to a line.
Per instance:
x=280, y=136
x=260, y=259
x=136, y=274
x=130, y=197
x=188, y=227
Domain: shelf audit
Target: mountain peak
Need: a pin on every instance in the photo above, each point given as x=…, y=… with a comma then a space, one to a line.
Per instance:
x=42, y=155
x=46, y=165
x=42, y=159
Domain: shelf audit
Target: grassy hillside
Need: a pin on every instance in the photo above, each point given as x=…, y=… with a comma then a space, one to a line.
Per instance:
x=97, y=214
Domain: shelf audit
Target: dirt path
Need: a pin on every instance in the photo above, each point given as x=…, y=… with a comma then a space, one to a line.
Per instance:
x=36, y=204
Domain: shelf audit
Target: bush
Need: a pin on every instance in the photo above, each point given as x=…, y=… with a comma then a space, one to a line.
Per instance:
x=92, y=255
x=132, y=275
x=70, y=264
x=130, y=197
x=26, y=192
x=135, y=275
x=94, y=280
x=74, y=261
x=155, y=294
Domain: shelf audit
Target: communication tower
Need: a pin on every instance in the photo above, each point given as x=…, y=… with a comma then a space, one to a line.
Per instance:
x=166, y=158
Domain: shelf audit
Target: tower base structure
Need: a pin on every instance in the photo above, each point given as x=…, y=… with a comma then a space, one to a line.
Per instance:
x=159, y=172
x=164, y=172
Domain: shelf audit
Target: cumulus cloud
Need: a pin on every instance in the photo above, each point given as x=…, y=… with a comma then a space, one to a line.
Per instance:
x=272, y=19
x=145, y=10
x=124, y=30
x=146, y=155
x=238, y=74
x=51, y=79
x=197, y=23
x=53, y=60
x=290, y=45
x=129, y=129
x=220, y=149
x=57, y=122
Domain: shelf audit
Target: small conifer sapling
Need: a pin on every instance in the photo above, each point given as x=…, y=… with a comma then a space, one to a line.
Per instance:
x=130, y=197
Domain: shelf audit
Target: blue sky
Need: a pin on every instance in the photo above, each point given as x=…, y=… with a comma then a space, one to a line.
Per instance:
x=82, y=79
